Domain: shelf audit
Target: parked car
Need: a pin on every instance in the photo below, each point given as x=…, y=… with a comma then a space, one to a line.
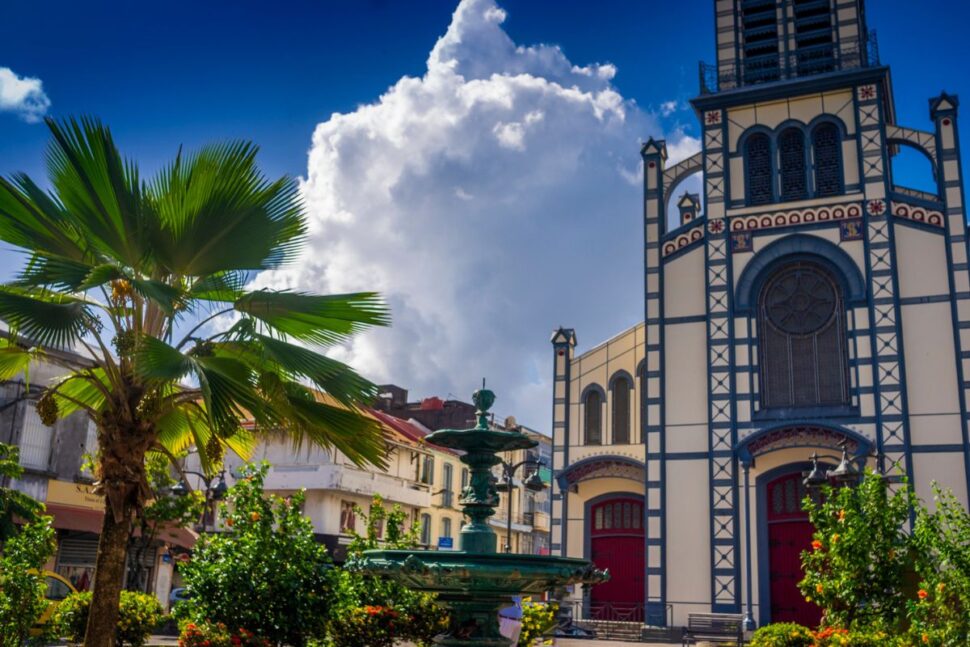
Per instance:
x=178, y=595
x=57, y=588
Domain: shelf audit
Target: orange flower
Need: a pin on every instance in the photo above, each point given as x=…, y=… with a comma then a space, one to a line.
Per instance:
x=922, y=594
x=819, y=588
x=835, y=537
x=841, y=515
x=817, y=545
x=940, y=587
x=254, y=516
x=229, y=522
x=926, y=638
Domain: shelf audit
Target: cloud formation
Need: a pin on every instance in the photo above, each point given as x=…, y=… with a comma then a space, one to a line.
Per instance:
x=491, y=200
x=23, y=95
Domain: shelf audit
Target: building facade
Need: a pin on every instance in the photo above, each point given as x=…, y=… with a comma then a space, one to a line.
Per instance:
x=806, y=301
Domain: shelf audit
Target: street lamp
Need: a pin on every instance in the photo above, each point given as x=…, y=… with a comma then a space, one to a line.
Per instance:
x=844, y=473
x=533, y=483
x=215, y=490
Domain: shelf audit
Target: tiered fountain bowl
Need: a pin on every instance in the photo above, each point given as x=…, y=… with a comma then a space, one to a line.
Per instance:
x=475, y=582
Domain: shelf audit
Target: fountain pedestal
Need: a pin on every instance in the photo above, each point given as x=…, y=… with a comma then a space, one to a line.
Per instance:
x=475, y=582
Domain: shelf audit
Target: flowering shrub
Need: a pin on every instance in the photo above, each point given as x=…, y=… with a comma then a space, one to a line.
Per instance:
x=369, y=611
x=940, y=611
x=266, y=573
x=207, y=634
x=856, y=568
x=537, y=619
x=782, y=634
x=837, y=637
x=140, y=613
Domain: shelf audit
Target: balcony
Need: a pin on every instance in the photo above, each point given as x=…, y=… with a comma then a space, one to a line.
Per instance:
x=819, y=59
x=538, y=520
x=345, y=478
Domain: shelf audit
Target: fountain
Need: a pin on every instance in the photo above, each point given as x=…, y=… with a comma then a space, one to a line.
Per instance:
x=475, y=581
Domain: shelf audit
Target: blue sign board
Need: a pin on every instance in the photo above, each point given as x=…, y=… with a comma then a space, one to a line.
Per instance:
x=446, y=542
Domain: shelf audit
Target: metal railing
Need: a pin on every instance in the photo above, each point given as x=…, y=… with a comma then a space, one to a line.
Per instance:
x=804, y=62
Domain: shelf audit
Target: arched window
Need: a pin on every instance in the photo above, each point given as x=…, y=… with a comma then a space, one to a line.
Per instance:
x=593, y=430
x=757, y=163
x=621, y=411
x=791, y=152
x=801, y=319
x=826, y=146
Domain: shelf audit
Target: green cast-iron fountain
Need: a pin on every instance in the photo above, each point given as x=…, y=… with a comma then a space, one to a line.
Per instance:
x=475, y=581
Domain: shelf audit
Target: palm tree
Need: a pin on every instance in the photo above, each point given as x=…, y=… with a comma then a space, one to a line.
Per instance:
x=134, y=274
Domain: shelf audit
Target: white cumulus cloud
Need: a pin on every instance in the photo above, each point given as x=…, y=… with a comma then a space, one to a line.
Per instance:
x=23, y=95
x=490, y=201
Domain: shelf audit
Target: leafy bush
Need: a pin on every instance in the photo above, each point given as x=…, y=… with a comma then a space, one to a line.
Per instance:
x=207, y=634
x=537, y=619
x=21, y=587
x=266, y=573
x=940, y=611
x=369, y=611
x=782, y=634
x=857, y=566
x=140, y=614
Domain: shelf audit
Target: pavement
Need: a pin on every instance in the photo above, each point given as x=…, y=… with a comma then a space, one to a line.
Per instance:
x=171, y=641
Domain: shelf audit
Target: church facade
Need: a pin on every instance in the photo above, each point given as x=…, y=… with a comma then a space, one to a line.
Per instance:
x=806, y=302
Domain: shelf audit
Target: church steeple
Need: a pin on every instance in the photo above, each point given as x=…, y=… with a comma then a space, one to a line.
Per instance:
x=766, y=41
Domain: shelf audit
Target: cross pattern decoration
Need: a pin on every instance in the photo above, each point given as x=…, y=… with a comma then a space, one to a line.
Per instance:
x=724, y=584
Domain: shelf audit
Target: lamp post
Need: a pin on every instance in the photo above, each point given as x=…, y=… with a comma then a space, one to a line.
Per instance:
x=533, y=483
x=843, y=474
x=213, y=492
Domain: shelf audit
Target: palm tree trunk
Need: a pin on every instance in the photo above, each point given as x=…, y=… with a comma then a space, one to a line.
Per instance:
x=109, y=572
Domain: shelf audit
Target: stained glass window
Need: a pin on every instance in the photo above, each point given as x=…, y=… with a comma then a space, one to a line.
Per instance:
x=828, y=160
x=757, y=161
x=791, y=151
x=802, y=339
x=594, y=415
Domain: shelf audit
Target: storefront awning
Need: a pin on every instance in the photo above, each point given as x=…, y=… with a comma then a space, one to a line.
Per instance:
x=86, y=520
x=70, y=518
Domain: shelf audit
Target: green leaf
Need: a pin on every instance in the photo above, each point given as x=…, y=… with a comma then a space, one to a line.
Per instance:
x=79, y=390
x=14, y=359
x=156, y=360
x=320, y=319
x=46, y=318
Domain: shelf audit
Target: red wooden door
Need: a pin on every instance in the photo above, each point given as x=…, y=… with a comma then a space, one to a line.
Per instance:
x=616, y=543
x=789, y=533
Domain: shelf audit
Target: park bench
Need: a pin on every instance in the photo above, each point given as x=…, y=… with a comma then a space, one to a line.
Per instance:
x=714, y=627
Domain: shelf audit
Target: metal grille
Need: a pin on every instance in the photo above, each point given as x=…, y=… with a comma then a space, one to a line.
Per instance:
x=757, y=158
x=828, y=160
x=77, y=552
x=35, y=439
x=803, y=351
x=791, y=145
x=760, y=35
x=814, y=47
x=621, y=412
x=593, y=430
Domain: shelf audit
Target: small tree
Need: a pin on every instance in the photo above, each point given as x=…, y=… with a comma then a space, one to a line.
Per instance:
x=266, y=573
x=13, y=502
x=940, y=613
x=21, y=584
x=857, y=566
x=369, y=611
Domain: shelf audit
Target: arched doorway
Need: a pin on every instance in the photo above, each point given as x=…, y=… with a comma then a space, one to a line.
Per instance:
x=616, y=542
x=789, y=533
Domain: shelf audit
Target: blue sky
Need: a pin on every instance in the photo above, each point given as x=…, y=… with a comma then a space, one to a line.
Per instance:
x=488, y=202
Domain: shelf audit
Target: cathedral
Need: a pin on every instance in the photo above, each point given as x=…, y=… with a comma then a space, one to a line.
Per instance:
x=806, y=303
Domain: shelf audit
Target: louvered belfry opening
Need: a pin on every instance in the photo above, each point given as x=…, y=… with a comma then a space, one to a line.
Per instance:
x=791, y=151
x=828, y=160
x=593, y=432
x=814, y=45
x=802, y=339
x=760, y=36
x=757, y=158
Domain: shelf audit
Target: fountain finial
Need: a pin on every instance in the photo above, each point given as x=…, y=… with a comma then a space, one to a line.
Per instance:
x=483, y=399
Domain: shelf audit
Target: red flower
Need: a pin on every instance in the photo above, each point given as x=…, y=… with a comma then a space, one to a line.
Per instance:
x=922, y=594
x=817, y=545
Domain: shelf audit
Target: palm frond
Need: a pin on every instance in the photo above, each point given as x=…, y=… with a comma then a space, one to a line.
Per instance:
x=46, y=318
x=50, y=271
x=79, y=391
x=99, y=189
x=319, y=319
x=15, y=359
x=219, y=213
x=32, y=220
x=156, y=360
